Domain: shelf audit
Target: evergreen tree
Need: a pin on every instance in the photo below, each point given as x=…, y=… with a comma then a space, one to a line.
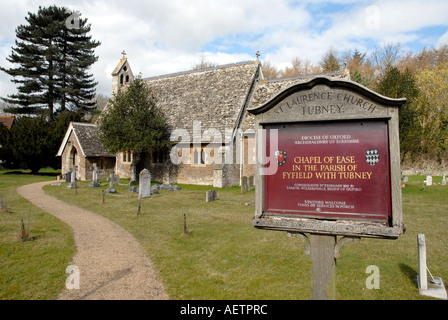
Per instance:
x=34, y=142
x=397, y=84
x=330, y=62
x=133, y=122
x=53, y=53
x=357, y=77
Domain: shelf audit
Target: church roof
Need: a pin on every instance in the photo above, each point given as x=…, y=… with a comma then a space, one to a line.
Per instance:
x=119, y=66
x=217, y=96
x=267, y=89
x=88, y=139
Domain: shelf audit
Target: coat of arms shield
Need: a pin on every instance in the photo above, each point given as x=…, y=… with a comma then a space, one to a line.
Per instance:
x=280, y=156
x=372, y=156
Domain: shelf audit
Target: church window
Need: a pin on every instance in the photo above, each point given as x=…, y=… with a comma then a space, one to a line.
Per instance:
x=127, y=156
x=199, y=155
x=195, y=156
x=159, y=156
x=121, y=79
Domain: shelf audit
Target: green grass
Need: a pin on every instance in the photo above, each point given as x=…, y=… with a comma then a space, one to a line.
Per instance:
x=224, y=257
x=32, y=269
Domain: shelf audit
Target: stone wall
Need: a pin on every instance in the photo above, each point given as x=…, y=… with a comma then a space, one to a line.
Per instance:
x=85, y=165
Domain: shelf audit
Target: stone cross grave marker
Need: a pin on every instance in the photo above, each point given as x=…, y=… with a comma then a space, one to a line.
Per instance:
x=144, y=190
x=95, y=180
x=72, y=184
x=111, y=188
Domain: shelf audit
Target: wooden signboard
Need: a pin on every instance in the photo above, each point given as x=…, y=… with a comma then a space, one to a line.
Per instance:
x=331, y=161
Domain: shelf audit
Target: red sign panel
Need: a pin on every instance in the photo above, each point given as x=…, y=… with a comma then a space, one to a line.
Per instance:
x=330, y=170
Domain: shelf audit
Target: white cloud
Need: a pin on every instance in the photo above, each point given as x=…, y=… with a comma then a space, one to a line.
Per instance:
x=166, y=36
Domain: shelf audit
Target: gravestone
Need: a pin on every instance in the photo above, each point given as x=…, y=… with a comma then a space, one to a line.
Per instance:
x=210, y=196
x=144, y=190
x=68, y=176
x=444, y=180
x=111, y=188
x=428, y=180
x=72, y=184
x=168, y=187
x=405, y=179
x=95, y=180
x=251, y=183
x=243, y=184
x=435, y=287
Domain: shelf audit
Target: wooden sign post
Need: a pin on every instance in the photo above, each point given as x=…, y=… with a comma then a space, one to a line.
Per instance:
x=328, y=164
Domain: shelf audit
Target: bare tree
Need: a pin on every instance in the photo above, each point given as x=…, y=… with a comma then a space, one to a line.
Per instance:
x=101, y=101
x=386, y=56
x=269, y=70
x=203, y=63
x=300, y=67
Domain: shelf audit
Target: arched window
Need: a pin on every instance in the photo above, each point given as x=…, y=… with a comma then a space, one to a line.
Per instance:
x=195, y=156
x=121, y=79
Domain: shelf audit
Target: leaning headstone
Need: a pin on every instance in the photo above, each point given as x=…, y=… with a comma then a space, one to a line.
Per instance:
x=111, y=188
x=95, y=180
x=210, y=195
x=144, y=190
x=422, y=277
x=435, y=287
x=72, y=184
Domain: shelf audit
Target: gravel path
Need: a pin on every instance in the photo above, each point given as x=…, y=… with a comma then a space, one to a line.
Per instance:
x=112, y=264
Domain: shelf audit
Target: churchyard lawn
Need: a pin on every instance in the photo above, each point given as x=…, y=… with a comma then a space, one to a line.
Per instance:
x=222, y=256
x=33, y=269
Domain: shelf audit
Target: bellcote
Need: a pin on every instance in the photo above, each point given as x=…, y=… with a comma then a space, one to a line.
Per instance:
x=122, y=74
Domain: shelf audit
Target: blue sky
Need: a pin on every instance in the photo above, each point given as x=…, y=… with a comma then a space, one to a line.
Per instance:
x=169, y=36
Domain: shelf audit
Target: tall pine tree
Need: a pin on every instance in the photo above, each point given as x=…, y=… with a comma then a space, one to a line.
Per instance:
x=53, y=53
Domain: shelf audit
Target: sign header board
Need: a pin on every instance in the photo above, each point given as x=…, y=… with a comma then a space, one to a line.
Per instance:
x=332, y=166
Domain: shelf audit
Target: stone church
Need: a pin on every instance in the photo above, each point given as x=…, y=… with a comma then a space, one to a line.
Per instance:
x=195, y=103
